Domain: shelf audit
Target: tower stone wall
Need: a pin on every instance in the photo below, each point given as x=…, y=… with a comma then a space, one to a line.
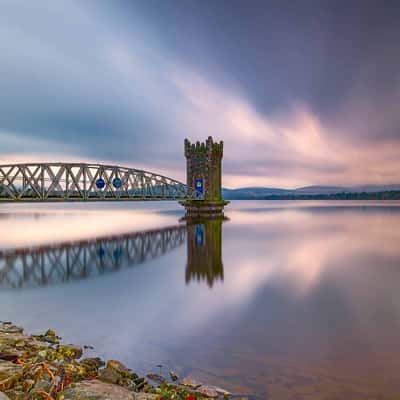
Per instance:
x=203, y=162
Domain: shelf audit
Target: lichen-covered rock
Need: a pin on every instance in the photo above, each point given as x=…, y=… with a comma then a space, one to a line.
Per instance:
x=92, y=365
x=96, y=390
x=8, y=327
x=116, y=372
x=146, y=396
x=9, y=374
x=70, y=351
x=14, y=344
x=156, y=378
x=109, y=375
x=43, y=385
x=49, y=336
x=174, y=376
x=38, y=367
x=94, y=362
x=198, y=389
x=212, y=391
x=191, y=383
x=28, y=384
x=119, y=367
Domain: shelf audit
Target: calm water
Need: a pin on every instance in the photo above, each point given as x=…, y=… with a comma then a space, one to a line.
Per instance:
x=286, y=300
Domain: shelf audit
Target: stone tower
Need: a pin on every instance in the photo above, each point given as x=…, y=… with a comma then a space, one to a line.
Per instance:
x=203, y=174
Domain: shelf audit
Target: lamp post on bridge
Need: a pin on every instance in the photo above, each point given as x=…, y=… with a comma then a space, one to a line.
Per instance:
x=203, y=174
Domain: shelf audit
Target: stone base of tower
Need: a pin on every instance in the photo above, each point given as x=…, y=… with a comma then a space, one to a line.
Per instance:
x=204, y=208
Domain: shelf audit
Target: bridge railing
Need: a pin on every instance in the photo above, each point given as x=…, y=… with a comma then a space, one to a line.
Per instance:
x=73, y=181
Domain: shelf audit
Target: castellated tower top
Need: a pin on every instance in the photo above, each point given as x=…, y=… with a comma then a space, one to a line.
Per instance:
x=208, y=147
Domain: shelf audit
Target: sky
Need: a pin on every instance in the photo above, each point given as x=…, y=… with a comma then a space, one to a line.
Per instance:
x=301, y=92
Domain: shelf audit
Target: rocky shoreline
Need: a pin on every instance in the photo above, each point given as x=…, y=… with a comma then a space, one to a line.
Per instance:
x=40, y=367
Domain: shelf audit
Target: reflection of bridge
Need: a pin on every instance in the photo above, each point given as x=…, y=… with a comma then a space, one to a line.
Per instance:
x=70, y=261
x=87, y=182
x=64, y=262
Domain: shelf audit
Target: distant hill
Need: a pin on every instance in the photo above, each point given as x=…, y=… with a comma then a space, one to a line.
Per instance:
x=321, y=190
x=376, y=188
x=314, y=192
x=252, y=193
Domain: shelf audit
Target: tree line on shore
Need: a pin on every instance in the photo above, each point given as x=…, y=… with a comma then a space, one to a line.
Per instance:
x=384, y=195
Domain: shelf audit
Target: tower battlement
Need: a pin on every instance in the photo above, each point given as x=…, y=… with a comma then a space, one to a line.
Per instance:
x=208, y=147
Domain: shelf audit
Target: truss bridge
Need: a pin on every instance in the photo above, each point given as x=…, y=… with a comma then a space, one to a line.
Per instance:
x=85, y=182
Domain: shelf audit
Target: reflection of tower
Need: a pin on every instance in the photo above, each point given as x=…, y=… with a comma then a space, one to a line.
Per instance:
x=204, y=251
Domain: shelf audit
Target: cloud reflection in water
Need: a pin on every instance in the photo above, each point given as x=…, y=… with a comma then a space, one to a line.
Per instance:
x=307, y=304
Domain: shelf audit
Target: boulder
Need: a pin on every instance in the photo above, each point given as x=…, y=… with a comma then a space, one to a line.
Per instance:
x=191, y=383
x=213, y=391
x=119, y=367
x=70, y=351
x=43, y=385
x=145, y=396
x=92, y=365
x=10, y=328
x=96, y=390
x=9, y=374
x=94, y=362
x=174, y=376
x=156, y=378
x=109, y=375
x=116, y=372
x=201, y=389
x=49, y=336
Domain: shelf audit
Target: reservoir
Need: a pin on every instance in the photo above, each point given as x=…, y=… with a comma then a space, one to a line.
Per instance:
x=282, y=300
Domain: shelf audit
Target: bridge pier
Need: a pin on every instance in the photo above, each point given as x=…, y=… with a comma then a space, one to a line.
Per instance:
x=203, y=174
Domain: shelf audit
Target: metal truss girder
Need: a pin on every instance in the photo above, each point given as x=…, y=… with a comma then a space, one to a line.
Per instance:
x=73, y=181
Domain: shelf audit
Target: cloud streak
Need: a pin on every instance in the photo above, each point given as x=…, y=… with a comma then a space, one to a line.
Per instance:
x=84, y=81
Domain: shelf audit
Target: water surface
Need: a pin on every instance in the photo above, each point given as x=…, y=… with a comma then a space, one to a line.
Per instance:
x=286, y=300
